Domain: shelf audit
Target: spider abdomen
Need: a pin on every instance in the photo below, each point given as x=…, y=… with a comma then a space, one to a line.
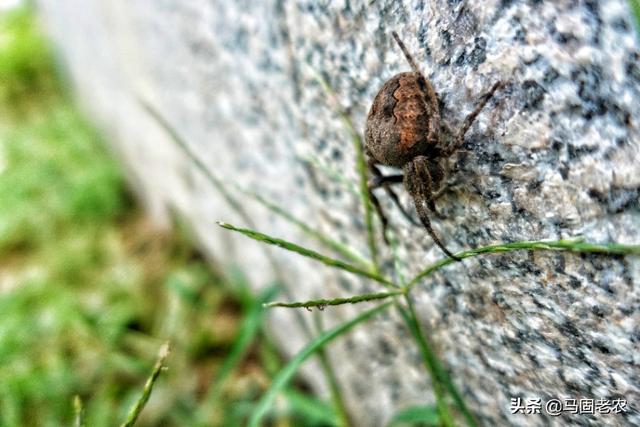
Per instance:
x=403, y=121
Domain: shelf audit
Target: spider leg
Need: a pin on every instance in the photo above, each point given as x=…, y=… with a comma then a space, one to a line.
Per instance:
x=386, y=181
x=436, y=175
x=437, y=194
x=468, y=121
x=383, y=218
x=374, y=200
x=403, y=211
x=419, y=184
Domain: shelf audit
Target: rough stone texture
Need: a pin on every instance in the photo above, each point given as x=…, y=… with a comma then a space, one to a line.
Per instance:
x=555, y=155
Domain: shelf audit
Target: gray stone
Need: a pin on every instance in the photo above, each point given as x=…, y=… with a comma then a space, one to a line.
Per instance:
x=555, y=155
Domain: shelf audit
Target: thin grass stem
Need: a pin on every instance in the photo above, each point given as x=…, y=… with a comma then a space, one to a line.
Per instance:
x=322, y=303
x=78, y=412
x=312, y=410
x=361, y=164
x=283, y=377
x=424, y=416
x=249, y=328
x=195, y=159
x=336, y=394
x=340, y=248
x=332, y=262
x=332, y=174
x=135, y=411
x=635, y=9
x=573, y=245
x=430, y=361
x=398, y=263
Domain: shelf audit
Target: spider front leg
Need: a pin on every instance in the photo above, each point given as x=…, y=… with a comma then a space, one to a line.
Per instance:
x=385, y=181
x=419, y=184
x=468, y=121
x=374, y=200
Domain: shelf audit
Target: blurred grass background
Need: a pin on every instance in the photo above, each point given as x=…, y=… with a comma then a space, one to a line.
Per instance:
x=89, y=288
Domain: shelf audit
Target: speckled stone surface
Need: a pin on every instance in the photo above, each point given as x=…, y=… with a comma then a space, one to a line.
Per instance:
x=554, y=155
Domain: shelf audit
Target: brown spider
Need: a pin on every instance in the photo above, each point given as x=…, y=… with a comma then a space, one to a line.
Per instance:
x=404, y=130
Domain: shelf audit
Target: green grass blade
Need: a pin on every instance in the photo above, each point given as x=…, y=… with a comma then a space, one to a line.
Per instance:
x=398, y=263
x=322, y=303
x=416, y=415
x=283, y=377
x=307, y=253
x=312, y=410
x=78, y=412
x=186, y=149
x=635, y=8
x=361, y=164
x=251, y=323
x=340, y=248
x=364, y=189
x=135, y=411
x=337, y=398
x=430, y=361
x=331, y=173
x=427, y=271
x=573, y=245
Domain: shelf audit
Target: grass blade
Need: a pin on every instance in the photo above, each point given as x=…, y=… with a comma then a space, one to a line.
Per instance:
x=283, y=377
x=398, y=263
x=438, y=373
x=573, y=245
x=307, y=253
x=135, y=411
x=331, y=173
x=312, y=410
x=78, y=412
x=337, y=398
x=322, y=303
x=186, y=149
x=416, y=415
x=430, y=361
x=361, y=164
x=340, y=248
x=635, y=9
x=251, y=323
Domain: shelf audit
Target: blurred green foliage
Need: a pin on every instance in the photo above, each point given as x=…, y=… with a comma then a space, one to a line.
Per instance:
x=55, y=175
x=27, y=73
x=635, y=8
x=89, y=289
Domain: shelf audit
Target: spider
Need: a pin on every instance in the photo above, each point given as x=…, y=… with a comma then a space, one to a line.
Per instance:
x=403, y=130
